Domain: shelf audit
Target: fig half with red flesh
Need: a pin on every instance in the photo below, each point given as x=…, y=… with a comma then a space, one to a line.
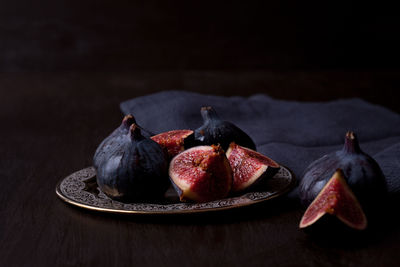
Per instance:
x=336, y=200
x=249, y=167
x=201, y=174
x=175, y=141
x=362, y=173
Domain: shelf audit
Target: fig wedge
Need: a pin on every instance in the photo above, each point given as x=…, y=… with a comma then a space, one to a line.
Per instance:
x=249, y=167
x=336, y=200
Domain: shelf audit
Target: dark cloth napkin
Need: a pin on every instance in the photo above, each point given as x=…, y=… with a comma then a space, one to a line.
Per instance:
x=292, y=133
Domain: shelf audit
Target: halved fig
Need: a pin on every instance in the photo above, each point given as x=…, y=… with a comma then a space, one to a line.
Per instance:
x=249, y=167
x=175, y=141
x=336, y=200
x=201, y=174
x=362, y=173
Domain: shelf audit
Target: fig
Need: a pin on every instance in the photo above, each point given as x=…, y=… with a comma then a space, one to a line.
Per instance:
x=175, y=141
x=216, y=131
x=362, y=174
x=201, y=174
x=249, y=167
x=112, y=141
x=336, y=200
x=132, y=167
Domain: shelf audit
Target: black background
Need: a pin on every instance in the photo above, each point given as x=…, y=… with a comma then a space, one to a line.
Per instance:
x=66, y=65
x=119, y=35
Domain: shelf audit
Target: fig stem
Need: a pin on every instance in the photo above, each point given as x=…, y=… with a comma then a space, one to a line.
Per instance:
x=209, y=114
x=128, y=120
x=351, y=144
x=135, y=132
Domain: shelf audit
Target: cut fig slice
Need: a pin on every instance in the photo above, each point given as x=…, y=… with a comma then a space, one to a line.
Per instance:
x=249, y=167
x=175, y=141
x=336, y=200
x=201, y=174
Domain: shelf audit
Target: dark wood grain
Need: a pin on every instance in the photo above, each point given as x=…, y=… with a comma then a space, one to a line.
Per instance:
x=51, y=124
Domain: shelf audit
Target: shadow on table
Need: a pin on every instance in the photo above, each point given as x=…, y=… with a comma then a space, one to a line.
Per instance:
x=380, y=227
x=256, y=211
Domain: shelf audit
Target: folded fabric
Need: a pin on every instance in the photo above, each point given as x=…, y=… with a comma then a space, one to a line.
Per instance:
x=292, y=133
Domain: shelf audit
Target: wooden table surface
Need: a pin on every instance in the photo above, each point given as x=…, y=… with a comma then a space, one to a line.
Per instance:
x=51, y=123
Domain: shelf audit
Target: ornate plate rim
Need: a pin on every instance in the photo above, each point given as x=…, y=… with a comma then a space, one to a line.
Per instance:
x=73, y=202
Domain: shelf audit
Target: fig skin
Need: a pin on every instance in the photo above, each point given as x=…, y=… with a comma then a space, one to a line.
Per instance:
x=216, y=131
x=362, y=174
x=133, y=167
x=113, y=141
x=201, y=174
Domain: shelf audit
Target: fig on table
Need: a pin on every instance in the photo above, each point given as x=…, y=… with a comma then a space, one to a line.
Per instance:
x=130, y=166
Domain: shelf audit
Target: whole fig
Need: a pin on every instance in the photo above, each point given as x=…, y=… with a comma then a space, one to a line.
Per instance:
x=131, y=166
x=113, y=141
x=215, y=131
x=362, y=174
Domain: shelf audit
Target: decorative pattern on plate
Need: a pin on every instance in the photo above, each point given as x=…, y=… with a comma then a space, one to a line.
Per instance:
x=80, y=189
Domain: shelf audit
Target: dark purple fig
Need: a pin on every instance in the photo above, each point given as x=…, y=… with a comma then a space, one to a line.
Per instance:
x=249, y=167
x=175, y=141
x=113, y=141
x=133, y=167
x=362, y=174
x=201, y=174
x=216, y=131
x=335, y=201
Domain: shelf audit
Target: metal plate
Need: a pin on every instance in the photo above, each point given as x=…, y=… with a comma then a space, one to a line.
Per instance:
x=80, y=189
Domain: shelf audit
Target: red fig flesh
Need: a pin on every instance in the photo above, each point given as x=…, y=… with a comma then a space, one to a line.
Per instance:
x=336, y=199
x=249, y=167
x=201, y=174
x=174, y=141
